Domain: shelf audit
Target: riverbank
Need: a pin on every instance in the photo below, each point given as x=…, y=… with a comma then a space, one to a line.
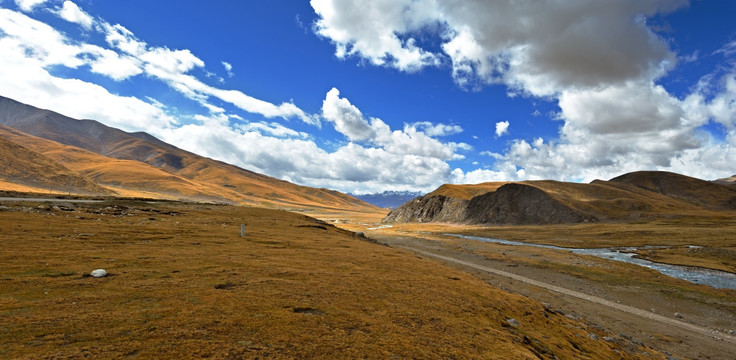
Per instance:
x=697, y=275
x=625, y=284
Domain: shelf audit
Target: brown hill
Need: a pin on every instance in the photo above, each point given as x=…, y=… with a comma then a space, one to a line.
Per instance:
x=31, y=169
x=726, y=181
x=140, y=164
x=698, y=192
x=467, y=192
x=636, y=195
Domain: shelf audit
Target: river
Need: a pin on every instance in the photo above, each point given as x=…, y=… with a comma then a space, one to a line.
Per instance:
x=714, y=278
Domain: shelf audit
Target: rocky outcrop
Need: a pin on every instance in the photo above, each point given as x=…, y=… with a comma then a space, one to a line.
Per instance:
x=510, y=204
x=429, y=208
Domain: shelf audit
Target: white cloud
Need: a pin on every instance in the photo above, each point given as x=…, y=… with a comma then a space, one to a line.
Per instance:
x=389, y=159
x=26, y=80
x=72, y=13
x=537, y=47
x=502, y=128
x=28, y=5
x=351, y=167
x=437, y=129
x=30, y=47
x=599, y=60
x=173, y=67
x=111, y=64
x=229, y=68
x=371, y=30
x=273, y=129
x=349, y=121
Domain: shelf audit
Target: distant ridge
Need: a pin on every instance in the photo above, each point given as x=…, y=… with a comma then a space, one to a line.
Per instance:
x=695, y=191
x=388, y=199
x=726, y=181
x=138, y=164
x=644, y=194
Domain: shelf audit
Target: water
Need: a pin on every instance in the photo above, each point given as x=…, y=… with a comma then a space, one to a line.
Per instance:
x=714, y=278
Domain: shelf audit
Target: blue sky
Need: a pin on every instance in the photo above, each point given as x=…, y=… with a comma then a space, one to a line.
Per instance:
x=394, y=94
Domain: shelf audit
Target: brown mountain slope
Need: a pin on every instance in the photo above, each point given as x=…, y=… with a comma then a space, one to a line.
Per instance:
x=22, y=166
x=174, y=172
x=549, y=202
x=726, y=181
x=467, y=192
x=698, y=192
x=113, y=176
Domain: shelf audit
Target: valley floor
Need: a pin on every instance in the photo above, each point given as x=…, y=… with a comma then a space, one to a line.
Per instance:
x=711, y=312
x=183, y=283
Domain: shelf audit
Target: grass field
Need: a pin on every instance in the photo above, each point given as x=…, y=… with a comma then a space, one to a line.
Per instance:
x=184, y=284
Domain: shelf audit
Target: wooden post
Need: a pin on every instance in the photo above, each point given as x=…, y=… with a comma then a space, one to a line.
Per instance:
x=242, y=230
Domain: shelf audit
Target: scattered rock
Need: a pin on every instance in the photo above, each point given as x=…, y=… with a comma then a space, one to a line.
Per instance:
x=98, y=273
x=4, y=208
x=609, y=338
x=226, y=286
x=513, y=322
x=678, y=315
x=308, y=310
x=593, y=336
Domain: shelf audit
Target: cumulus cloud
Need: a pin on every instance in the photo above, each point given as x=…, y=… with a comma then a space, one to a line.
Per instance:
x=600, y=61
x=350, y=121
x=72, y=13
x=371, y=31
x=538, y=47
x=351, y=167
x=502, y=128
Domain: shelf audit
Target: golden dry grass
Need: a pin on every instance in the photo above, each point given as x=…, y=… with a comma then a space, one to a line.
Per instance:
x=467, y=192
x=184, y=284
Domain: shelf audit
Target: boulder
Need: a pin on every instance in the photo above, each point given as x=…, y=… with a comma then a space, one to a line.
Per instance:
x=98, y=273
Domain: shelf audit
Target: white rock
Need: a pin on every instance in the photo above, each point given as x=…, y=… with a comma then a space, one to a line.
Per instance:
x=98, y=273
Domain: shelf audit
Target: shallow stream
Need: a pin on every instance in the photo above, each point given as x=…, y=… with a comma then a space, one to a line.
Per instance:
x=714, y=278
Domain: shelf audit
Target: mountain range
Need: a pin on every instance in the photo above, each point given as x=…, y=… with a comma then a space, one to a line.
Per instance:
x=643, y=194
x=44, y=151
x=388, y=199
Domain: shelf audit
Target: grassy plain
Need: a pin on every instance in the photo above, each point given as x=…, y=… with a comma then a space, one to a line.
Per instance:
x=184, y=284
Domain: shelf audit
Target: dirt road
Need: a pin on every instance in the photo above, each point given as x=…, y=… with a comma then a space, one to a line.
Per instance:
x=619, y=307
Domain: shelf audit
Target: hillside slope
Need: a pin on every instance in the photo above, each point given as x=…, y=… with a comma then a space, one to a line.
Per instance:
x=636, y=195
x=695, y=191
x=138, y=162
x=29, y=168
